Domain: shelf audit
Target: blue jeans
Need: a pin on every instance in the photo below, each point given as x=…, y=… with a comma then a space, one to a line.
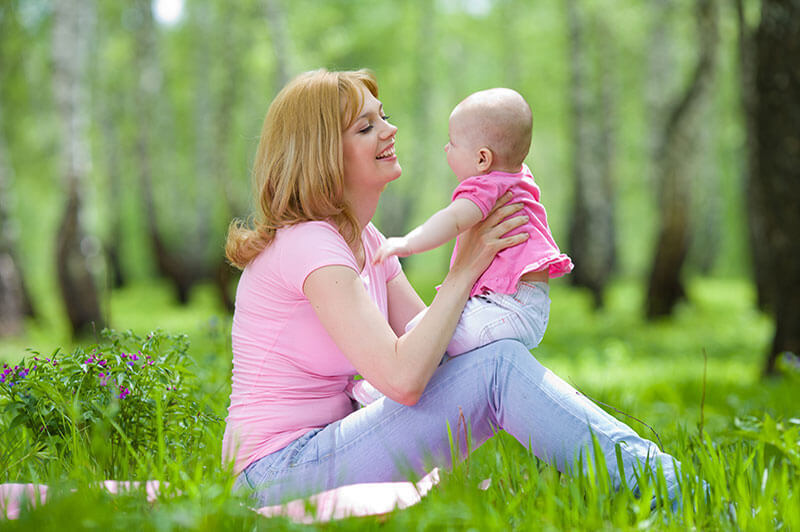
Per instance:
x=499, y=386
x=490, y=317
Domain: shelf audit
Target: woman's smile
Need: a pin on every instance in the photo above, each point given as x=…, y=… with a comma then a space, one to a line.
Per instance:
x=387, y=154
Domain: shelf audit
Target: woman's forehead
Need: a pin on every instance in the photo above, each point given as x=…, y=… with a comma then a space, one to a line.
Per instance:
x=369, y=105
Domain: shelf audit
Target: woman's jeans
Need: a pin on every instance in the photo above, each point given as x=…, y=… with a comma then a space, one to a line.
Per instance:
x=499, y=386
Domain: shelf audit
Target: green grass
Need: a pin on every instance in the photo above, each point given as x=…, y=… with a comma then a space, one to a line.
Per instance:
x=749, y=450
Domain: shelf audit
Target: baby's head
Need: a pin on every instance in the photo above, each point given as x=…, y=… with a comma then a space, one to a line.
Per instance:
x=490, y=131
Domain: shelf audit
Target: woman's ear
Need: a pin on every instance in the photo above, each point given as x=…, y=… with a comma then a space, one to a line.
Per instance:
x=485, y=159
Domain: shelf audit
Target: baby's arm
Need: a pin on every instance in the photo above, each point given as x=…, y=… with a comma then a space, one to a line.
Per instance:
x=440, y=228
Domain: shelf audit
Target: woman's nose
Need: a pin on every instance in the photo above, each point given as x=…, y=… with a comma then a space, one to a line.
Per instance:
x=389, y=130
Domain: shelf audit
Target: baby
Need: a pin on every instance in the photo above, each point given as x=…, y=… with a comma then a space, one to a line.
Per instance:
x=490, y=136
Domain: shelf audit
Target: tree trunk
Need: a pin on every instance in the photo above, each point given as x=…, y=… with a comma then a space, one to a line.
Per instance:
x=665, y=287
x=278, y=28
x=760, y=256
x=72, y=27
x=228, y=95
x=182, y=273
x=113, y=241
x=777, y=179
x=661, y=73
x=591, y=231
x=12, y=288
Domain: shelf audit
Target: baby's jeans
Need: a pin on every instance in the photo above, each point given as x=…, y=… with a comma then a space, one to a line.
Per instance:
x=487, y=318
x=499, y=386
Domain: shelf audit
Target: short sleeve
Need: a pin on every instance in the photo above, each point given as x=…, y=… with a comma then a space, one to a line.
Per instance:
x=480, y=190
x=308, y=246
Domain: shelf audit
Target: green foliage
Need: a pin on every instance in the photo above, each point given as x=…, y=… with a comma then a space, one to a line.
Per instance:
x=135, y=397
x=747, y=452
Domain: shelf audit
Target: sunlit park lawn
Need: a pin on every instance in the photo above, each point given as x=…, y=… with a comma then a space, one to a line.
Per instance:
x=653, y=372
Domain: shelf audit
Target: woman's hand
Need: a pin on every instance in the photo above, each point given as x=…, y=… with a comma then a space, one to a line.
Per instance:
x=478, y=245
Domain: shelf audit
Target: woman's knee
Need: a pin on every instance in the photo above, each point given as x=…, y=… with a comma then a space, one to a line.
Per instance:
x=509, y=349
x=502, y=355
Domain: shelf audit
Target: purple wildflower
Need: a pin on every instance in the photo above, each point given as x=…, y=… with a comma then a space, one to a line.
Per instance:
x=103, y=379
x=123, y=392
x=102, y=363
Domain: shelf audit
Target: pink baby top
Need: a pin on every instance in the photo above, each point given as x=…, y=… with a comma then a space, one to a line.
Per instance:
x=288, y=375
x=538, y=252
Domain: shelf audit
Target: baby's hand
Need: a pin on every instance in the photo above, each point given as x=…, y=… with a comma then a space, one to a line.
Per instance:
x=393, y=246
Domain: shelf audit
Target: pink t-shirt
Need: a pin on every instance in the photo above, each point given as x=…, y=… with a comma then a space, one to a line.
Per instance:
x=538, y=252
x=288, y=375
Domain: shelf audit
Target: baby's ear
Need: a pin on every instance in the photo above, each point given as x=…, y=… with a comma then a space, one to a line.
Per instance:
x=485, y=159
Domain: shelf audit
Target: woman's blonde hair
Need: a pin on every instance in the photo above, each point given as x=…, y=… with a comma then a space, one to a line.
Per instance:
x=298, y=174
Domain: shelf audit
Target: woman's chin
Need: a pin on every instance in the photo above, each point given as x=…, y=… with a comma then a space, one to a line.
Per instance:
x=396, y=171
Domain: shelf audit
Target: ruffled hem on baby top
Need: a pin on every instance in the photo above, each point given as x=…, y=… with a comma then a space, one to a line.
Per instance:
x=558, y=265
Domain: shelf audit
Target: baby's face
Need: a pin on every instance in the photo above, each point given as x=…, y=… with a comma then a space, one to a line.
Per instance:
x=461, y=150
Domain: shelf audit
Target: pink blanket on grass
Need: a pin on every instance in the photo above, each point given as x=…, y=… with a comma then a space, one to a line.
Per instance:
x=374, y=498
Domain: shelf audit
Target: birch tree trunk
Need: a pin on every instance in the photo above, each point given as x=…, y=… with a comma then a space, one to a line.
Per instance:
x=229, y=54
x=777, y=115
x=665, y=286
x=182, y=273
x=661, y=73
x=761, y=256
x=281, y=44
x=113, y=170
x=591, y=232
x=72, y=29
x=12, y=291
x=202, y=193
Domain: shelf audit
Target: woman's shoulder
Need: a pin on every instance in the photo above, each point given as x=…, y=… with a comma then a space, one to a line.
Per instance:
x=310, y=229
x=299, y=238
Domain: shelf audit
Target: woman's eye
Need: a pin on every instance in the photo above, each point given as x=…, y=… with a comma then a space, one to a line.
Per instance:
x=386, y=118
x=366, y=129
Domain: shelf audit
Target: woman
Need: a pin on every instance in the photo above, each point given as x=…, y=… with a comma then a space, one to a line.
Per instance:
x=312, y=311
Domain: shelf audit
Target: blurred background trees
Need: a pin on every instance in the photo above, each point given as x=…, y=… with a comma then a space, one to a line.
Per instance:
x=663, y=140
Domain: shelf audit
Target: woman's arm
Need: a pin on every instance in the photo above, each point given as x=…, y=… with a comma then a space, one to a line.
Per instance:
x=439, y=229
x=400, y=367
x=403, y=301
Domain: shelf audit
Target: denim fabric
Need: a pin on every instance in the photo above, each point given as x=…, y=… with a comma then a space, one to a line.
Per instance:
x=487, y=318
x=499, y=386
x=490, y=317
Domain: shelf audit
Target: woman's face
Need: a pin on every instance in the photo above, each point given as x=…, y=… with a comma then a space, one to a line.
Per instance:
x=368, y=148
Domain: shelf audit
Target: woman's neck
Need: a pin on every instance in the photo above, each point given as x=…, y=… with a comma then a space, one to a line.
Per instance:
x=363, y=206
